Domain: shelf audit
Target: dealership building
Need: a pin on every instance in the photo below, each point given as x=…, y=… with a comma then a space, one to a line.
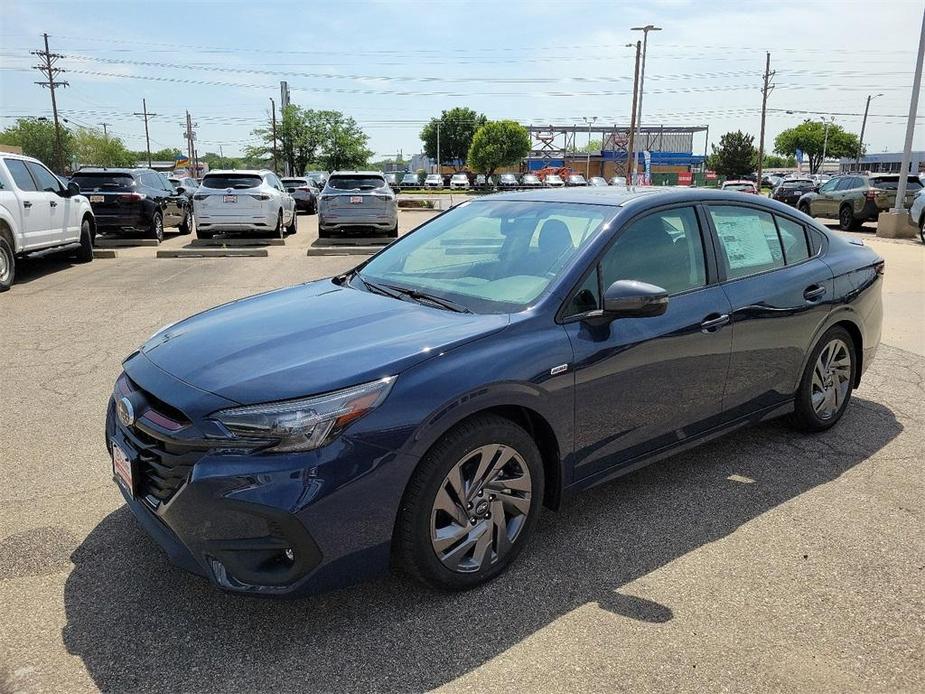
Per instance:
x=671, y=148
x=887, y=162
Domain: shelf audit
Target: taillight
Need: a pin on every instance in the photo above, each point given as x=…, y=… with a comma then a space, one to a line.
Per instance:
x=200, y=197
x=871, y=194
x=132, y=197
x=305, y=189
x=260, y=196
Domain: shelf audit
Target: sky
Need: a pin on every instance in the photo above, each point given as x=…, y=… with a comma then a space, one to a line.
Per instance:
x=393, y=64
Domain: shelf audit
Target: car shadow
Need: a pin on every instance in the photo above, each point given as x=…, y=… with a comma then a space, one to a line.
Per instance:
x=138, y=622
x=31, y=269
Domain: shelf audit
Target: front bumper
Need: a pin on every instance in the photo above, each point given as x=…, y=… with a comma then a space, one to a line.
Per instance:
x=231, y=515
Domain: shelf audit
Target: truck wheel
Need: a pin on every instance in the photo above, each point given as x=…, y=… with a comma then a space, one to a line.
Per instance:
x=85, y=252
x=7, y=265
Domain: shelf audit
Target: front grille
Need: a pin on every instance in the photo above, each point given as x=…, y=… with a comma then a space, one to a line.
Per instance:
x=164, y=465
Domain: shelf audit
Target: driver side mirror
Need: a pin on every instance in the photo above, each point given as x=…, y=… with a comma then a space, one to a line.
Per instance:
x=180, y=190
x=72, y=188
x=634, y=299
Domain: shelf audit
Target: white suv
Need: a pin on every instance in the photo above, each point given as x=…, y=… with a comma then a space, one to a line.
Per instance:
x=37, y=213
x=239, y=201
x=459, y=181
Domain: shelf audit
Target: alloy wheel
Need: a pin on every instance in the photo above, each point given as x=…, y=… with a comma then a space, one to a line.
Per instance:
x=846, y=218
x=831, y=379
x=480, y=508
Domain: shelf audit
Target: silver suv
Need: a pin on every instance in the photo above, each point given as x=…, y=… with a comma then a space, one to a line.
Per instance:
x=357, y=201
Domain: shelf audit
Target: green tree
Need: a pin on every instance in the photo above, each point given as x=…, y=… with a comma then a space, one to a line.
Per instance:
x=773, y=161
x=93, y=148
x=457, y=128
x=810, y=136
x=217, y=161
x=305, y=136
x=735, y=157
x=496, y=144
x=37, y=139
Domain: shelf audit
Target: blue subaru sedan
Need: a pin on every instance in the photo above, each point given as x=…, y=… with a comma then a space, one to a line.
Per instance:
x=418, y=411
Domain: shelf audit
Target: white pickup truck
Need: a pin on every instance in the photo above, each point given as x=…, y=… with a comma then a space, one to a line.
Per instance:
x=38, y=213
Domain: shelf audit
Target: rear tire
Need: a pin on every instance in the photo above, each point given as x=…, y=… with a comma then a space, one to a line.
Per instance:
x=279, y=232
x=293, y=225
x=846, y=220
x=393, y=232
x=156, y=230
x=922, y=228
x=510, y=490
x=827, y=383
x=85, y=252
x=805, y=209
x=7, y=264
x=188, y=223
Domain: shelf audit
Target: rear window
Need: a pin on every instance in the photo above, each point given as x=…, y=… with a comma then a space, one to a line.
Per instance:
x=738, y=186
x=221, y=181
x=103, y=181
x=295, y=182
x=355, y=182
x=797, y=185
x=892, y=183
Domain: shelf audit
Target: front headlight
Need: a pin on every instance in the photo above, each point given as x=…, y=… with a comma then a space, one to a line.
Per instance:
x=307, y=423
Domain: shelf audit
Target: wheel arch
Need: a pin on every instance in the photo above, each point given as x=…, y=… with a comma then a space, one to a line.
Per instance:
x=6, y=230
x=88, y=216
x=849, y=321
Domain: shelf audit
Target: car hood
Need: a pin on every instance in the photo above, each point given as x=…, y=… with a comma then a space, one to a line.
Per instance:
x=308, y=339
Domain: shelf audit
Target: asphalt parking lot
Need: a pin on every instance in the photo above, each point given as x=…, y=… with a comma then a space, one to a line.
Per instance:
x=763, y=561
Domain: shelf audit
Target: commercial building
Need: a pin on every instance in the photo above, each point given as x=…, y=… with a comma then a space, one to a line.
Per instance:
x=886, y=162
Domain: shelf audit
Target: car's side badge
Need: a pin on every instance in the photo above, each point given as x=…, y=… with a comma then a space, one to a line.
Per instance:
x=556, y=370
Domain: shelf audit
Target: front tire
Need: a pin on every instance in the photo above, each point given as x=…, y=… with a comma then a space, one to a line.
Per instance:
x=7, y=264
x=471, y=505
x=827, y=382
x=85, y=252
x=805, y=209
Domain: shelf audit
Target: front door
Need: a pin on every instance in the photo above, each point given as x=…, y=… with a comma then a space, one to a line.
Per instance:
x=780, y=295
x=34, y=205
x=645, y=383
x=824, y=203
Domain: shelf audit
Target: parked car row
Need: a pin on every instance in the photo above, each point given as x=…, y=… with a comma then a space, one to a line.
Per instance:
x=505, y=181
x=856, y=198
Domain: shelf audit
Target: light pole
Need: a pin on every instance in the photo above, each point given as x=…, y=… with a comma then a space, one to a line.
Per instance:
x=631, y=144
x=857, y=159
x=825, y=140
x=589, y=122
x=642, y=78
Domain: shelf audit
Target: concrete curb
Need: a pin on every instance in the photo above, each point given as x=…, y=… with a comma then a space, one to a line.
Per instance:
x=214, y=253
x=104, y=253
x=123, y=243
x=234, y=243
x=344, y=250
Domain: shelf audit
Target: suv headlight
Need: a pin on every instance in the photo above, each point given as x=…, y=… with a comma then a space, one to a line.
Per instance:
x=307, y=423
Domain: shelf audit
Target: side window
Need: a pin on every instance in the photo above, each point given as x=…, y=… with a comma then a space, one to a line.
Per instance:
x=793, y=236
x=586, y=298
x=20, y=174
x=663, y=248
x=846, y=183
x=828, y=186
x=274, y=181
x=46, y=180
x=165, y=183
x=749, y=240
x=149, y=180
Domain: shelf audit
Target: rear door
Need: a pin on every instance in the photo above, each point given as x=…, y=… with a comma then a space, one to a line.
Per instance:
x=33, y=203
x=780, y=294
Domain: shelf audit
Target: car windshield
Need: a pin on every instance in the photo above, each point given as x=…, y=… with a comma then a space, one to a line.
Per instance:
x=460, y=177
x=508, y=177
x=553, y=177
x=491, y=256
x=738, y=186
x=356, y=182
x=222, y=181
x=530, y=178
x=105, y=181
x=892, y=183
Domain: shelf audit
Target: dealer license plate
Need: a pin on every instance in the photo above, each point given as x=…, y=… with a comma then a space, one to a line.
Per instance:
x=356, y=200
x=230, y=198
x=97, y=198
x=122, y=468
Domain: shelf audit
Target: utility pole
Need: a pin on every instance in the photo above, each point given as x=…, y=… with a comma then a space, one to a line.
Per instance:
x=221, y=157
x=857, y=158
x=642, y=77
x=825, y=140
x=105, y=131
x=631, y=144
x=273, y=108
x=765, y=90
x=589, y=121
x=898, y=206
x=438, y=149
x=48, y=69
x=283, y=103
x=190, y=138
x=144, y=108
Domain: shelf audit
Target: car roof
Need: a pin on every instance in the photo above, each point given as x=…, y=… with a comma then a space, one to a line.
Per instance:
x=244, y=172
x=114, y=169
x=356, y=173
x=619, y=196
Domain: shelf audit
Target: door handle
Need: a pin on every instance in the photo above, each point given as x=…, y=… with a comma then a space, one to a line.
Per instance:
x=813, y=292
x=26, y=203
x=713, y=322
x=52, y=203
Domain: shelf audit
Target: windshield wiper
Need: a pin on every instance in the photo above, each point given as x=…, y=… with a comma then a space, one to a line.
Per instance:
x=378, y=288
x=420, y=296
